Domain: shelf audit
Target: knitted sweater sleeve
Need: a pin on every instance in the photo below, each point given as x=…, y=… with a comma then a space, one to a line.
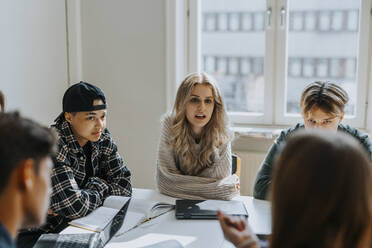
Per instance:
x=222, y=163
x=171, y=181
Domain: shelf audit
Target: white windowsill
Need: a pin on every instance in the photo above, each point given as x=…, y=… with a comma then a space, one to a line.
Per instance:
x=258, y=138
x=257, y=131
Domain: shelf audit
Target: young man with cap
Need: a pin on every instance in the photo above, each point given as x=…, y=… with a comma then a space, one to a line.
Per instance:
x=88, y=167
x=25, y=154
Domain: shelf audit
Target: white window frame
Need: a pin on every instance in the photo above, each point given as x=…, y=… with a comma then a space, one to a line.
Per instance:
x=183, y=38
x=362, y=73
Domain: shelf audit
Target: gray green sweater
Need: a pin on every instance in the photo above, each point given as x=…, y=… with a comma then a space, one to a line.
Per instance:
x=264, y=175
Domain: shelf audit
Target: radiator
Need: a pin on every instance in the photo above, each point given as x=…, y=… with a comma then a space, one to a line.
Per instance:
x=250, y=162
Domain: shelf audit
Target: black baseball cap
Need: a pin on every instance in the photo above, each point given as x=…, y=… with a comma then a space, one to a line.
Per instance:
x=80, y=97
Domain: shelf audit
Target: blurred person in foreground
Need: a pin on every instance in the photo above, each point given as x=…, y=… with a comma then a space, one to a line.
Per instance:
x=321, y=195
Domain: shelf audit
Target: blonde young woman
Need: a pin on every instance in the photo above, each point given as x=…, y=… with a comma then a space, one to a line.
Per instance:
x=194, y=157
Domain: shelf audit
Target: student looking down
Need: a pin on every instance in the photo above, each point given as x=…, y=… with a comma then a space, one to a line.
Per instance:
x=322, y=106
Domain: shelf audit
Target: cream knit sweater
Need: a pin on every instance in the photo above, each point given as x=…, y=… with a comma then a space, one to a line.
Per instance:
x=215, y=182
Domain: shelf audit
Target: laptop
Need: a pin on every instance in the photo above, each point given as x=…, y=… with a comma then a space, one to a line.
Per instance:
x=85, y=240
x=207, y=209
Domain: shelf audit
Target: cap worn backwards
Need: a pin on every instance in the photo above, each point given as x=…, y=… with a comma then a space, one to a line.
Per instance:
x=80, y=97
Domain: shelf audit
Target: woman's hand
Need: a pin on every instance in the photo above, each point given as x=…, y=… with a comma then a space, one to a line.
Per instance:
x=237, y=231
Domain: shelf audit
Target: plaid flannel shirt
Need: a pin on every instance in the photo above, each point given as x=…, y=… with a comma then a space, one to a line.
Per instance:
x=70, y=199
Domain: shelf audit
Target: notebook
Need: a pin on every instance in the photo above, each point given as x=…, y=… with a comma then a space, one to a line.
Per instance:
x=139, y=211
x=207, y=209
x=85, y=240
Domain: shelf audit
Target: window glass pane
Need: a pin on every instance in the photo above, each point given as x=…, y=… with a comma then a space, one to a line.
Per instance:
x=234, y=20
x=296, y=21
x=352, y=20
x=324, y=21
x=310, y=20
x=245, y=66
x=221, y=65
x=321, y=68
x=308, y=69
x=259, y=21
x=315, y=52
x=337, y=20
x=222, y=22
x=350, y=68
x=233, y=66
x=295, y=67
x=210, y=22
x=234, y=51
x=209, y=64
x=335, y=68
x=246, y=22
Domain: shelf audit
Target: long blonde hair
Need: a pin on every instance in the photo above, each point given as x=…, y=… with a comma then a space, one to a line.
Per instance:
x=213, y=135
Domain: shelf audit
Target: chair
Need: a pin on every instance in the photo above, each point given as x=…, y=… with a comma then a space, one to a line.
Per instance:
x=2, y=102
x=235, y=165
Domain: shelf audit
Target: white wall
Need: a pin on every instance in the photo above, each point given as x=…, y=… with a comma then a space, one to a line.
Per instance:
x=33, y=63
x=123, y=52
x=118, y=45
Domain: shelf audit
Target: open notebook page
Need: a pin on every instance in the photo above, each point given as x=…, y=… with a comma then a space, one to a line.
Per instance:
x=99, y=218
x=140, y=210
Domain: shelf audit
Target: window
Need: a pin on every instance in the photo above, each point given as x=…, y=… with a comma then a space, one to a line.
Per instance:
x=263, y=53
x=240, y=68
x=326, y=52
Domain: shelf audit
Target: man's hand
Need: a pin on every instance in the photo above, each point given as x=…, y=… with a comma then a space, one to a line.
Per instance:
x=237, y=231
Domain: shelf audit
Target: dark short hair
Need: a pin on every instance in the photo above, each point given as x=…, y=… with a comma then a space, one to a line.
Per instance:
x=22, y=139
x=321, y=192
x=327, y=96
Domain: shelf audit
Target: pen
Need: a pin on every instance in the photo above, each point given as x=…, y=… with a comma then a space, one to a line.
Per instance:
x=144, y=221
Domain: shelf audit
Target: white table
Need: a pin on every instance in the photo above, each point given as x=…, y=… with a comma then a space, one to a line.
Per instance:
x=190, y=233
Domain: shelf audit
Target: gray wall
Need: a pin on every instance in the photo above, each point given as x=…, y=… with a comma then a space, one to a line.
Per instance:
x=123, y=51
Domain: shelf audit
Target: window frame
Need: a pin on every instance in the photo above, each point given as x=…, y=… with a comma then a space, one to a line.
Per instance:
x=183, y=36
x=281, y=118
